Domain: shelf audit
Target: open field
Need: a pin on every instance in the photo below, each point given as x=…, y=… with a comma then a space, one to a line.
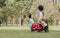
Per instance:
x=24, y=32
x=28, y=34
x=54, y=27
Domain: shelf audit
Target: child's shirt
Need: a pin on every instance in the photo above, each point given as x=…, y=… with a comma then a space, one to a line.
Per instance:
x=40, y=15
x=31, y=22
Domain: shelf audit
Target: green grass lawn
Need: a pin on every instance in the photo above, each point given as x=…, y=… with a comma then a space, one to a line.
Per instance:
x=28, y=34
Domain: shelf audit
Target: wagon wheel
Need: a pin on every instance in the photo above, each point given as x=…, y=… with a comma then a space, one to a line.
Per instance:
x=39, y=30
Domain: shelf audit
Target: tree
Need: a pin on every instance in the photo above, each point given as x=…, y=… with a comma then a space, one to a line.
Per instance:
x=2, y=3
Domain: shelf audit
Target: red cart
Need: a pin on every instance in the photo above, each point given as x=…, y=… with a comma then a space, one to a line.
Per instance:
x=37, y=27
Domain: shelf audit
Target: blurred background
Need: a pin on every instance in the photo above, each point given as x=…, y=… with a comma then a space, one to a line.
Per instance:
x=15, y=12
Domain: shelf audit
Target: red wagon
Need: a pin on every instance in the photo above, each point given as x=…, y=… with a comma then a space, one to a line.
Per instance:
x=38, y=27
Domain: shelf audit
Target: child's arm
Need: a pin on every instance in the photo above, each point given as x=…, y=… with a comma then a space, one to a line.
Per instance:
x=43, y=13
x=43, y=16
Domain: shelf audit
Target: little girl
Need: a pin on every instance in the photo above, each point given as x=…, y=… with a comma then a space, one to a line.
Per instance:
x=31, y=21
x=41, y=15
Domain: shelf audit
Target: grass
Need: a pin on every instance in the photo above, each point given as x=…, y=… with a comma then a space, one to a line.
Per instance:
x=28, y=34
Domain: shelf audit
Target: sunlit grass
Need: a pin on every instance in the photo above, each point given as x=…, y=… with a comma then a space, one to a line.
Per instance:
x=28, y=34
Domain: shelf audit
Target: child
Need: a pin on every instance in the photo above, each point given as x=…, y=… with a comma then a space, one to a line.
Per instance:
x=41, y=15
x=30, y=20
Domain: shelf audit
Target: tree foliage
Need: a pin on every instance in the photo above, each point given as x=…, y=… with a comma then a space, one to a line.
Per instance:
x=15, y=9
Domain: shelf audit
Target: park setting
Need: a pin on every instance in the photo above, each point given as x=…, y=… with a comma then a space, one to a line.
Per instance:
x=29, y=18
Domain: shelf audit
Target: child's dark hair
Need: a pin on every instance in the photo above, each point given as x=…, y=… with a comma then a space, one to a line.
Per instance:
x=29, y=16
x=41, y=8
